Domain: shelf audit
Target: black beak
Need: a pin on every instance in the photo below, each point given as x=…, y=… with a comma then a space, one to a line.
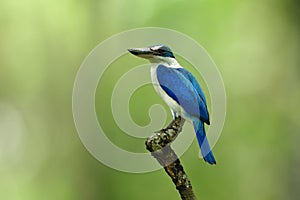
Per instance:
x=142, y=52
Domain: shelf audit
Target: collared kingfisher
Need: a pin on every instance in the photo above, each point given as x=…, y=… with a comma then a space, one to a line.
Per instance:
x=180, y=90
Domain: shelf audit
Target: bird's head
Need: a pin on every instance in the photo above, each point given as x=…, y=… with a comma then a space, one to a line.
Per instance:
x=155, y=53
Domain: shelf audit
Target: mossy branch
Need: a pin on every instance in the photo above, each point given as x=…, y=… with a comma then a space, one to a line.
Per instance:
x=159, y=146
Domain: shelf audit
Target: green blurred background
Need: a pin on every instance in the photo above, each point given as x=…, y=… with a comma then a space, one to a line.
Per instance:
x=255, y=45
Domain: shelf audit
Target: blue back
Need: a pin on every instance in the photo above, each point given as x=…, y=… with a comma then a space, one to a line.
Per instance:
x=182, y=86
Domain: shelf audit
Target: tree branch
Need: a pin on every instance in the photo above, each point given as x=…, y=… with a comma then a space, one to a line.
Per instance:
x=159, y=146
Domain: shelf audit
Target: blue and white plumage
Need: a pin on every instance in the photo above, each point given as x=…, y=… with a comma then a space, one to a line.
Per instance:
x=180, y=90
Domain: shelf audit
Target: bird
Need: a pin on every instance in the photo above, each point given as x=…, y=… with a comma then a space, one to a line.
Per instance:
x=180, y=90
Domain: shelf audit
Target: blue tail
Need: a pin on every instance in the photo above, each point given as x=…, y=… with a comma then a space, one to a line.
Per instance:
x=203, y=142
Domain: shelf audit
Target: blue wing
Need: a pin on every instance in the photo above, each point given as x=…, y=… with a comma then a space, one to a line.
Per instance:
x=182, y=86
x=195, y=83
